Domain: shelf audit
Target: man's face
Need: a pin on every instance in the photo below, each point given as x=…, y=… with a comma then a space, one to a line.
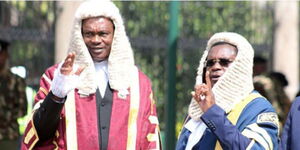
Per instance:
x=218, y=60
x=98, y=35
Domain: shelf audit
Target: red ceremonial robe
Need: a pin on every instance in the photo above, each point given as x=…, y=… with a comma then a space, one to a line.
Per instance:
x=126, y=131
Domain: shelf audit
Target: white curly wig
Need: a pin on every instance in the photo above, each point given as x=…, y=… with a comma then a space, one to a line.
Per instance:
x=236, y=83
x=121, y=56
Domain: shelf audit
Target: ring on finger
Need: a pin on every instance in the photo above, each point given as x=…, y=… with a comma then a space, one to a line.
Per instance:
x=202, y=97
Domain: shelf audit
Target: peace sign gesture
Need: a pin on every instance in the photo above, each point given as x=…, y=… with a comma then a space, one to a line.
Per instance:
x=203, y=94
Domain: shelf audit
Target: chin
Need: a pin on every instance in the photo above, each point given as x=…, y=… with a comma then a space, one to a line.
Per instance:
x=213, y=83
x=98, y=60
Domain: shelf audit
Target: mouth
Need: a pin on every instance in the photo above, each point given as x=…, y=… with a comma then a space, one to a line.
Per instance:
x=215, y=77
x=97, y=50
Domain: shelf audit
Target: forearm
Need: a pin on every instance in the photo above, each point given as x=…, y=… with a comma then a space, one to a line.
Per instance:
x=46, y=118
x=228, y=135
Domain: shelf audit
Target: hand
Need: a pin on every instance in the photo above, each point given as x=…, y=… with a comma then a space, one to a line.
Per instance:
x=67, y=66
x=65, y=79
x=203, y=94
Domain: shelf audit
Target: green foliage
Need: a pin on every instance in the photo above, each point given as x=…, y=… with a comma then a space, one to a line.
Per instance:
x=202, y=19
x=35, y=19
x=144, y=18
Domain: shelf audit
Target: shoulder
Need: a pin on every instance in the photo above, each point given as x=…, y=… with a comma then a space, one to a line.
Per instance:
x=144, y=79
x=296, y=105
x=260, y=104
x=15, y=76
x=296, y=102
x=15, y=79
x=257, y=111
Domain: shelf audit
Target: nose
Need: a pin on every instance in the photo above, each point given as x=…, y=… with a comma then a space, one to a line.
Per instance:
x=96, y=39
x=216, y=66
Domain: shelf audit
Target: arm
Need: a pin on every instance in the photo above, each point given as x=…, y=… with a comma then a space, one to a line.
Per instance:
x=47, y=116
x=32, y=130
x=286, y=134
x=257, y=132
x=228, y=135
x=47, y=111
x=290, y=130
x=150, y=129
x=21, y=99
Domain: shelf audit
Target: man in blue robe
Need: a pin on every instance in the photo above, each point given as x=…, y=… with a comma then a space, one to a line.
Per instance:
x=225, y=111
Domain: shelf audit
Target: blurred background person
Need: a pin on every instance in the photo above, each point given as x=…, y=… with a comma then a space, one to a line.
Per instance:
x=291, y=131
x=280, y=83
x=13, y=103
x=30, y=94
x=298, y=94
x=272, y=85
x=260, y=65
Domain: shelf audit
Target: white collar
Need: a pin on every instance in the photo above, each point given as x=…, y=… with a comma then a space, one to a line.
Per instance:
x=101, y=76
x=197, y=129
x=103, y=65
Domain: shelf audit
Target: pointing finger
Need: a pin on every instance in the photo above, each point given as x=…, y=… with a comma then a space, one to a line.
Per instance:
x=72, y=59
x=207, y=79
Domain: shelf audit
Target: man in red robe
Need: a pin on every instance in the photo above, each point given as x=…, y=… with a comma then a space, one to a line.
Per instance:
x=96, y=98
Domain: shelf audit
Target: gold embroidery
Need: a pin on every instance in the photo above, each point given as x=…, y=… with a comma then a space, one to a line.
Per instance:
x=44, y=90
x=29, y=136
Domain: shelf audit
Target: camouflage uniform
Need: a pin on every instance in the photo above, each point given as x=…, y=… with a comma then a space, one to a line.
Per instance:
x=274, y=92
x=13, y=104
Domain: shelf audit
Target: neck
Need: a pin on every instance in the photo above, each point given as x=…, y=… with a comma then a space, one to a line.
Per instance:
x=99, y=61
x=101, y=65
x=104, y=62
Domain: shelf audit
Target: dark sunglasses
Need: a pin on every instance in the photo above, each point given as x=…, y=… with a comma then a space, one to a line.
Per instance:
x=222, y=61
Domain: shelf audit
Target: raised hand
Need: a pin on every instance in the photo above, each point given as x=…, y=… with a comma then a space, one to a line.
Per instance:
x=66, y=79
x=67, y=66
x=203, y=94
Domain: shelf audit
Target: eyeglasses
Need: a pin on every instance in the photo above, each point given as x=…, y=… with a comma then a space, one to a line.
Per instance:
x=222, y=61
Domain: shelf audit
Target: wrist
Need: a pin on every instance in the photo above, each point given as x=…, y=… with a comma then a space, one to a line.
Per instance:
x=56, y=98
x=63, y=84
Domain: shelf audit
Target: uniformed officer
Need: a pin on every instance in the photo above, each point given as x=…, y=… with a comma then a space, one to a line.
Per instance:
x=13, y=103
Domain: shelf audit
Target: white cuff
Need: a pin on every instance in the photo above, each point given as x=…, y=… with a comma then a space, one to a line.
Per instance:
x=63, y=84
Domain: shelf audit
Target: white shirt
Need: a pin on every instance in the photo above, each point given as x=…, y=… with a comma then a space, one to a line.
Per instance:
x=197, y=129
x=101, y=76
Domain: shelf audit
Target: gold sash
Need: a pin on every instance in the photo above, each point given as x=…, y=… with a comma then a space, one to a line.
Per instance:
x=235, y=113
